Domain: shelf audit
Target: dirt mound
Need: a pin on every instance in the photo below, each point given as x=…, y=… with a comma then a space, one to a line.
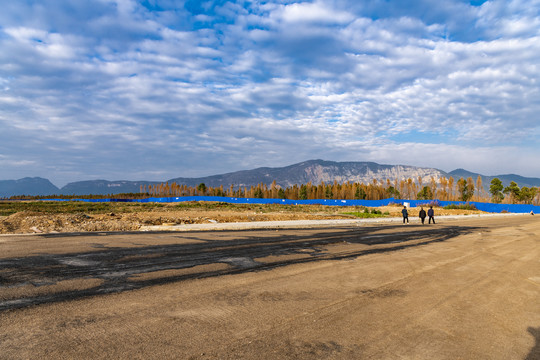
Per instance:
x=25, y=222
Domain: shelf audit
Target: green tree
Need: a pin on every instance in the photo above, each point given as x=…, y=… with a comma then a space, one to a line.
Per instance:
x=328, y=192
x=495, y=190
x=201, y=188
x=425, y=194
x=258, y=194
x=302, y=194
x=393, y=192
x=465, y=188
x=281, y=194
x=527, y=194
x=513, y=191
x=360, y=194
x=470, y=188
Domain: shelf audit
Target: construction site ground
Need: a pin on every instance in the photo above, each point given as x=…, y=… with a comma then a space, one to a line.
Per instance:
x=124, y=218
x=464, y=288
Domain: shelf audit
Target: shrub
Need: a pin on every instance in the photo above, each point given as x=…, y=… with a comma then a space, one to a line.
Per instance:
x=461, y=207
x=367, y=213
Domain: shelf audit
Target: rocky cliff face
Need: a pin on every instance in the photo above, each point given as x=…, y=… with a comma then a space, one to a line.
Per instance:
x=362, y=172
x=317, y=171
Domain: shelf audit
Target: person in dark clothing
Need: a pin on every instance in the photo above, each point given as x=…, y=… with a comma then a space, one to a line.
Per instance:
x=431, y=215
x=422, y=215
x=405, y=214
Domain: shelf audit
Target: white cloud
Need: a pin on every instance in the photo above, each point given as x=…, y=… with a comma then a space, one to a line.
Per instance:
x=487, y=160
x=271, y=84
x=316, y=12
x=501, y=18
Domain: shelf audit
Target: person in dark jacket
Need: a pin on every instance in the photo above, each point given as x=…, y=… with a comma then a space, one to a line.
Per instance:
x=431, y=215
x=422, y=215
x=405, y=214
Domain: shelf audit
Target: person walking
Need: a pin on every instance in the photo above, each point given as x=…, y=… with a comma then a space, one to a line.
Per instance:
x=431, y=214
x=405, y=214
x=422, y=214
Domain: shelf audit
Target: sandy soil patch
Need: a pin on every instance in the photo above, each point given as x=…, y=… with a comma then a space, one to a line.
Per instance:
x=462, y=289
x=25, y=223
x=36, y=289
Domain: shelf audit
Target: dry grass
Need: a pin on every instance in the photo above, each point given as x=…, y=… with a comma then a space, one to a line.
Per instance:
x=49, y=217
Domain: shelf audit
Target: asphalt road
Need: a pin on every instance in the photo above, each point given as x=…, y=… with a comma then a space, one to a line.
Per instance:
x=460, y=289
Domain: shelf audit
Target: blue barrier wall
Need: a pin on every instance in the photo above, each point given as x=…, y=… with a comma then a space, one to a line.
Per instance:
x=488, y=207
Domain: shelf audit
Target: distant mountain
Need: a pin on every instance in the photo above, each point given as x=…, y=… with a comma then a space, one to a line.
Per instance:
x=27, y=186
x=505, y=179
x=103, y=187
x=314, y=171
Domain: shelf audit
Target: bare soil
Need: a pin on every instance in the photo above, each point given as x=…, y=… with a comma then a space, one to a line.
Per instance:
x=28, y=222
x=466, y=288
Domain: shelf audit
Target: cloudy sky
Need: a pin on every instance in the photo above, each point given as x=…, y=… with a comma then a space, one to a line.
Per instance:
x=157, y=89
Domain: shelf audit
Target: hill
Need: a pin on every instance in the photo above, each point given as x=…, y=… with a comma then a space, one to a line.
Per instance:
x=102, y=187
x=314, y=171
x=27, y=186
x=505, y=179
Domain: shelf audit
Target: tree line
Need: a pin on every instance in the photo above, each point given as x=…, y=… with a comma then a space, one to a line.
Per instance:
x=513, y=193
x=126, y=196
x=446, y=189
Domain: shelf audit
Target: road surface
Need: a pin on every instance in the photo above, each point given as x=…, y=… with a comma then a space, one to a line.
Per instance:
x=465, y=288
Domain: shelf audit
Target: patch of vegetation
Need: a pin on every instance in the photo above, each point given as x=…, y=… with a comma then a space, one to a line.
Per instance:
x=460, y=207
x=122, y=196
x=9, y=207
x=209, y=205
x=434, y=203
x=261, y=208
x=73, y=207
x=367, y=213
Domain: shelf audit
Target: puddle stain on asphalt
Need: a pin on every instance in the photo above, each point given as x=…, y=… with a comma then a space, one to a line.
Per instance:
x=115, y=265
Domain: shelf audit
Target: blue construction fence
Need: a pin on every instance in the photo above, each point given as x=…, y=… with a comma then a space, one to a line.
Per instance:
x=488, y=207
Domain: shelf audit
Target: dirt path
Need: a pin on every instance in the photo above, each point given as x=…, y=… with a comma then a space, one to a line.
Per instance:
x=460, y=289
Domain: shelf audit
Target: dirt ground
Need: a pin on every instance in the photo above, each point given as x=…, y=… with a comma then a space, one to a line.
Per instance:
x=25, y=223
x=461, y=289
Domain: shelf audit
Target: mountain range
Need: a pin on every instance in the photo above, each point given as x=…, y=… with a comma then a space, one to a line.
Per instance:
x=314, y=171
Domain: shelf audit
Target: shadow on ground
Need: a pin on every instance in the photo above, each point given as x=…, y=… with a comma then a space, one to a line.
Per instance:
x=116, y=266
x=535, y=351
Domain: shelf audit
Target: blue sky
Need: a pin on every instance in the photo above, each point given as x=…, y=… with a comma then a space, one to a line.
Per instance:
x=152, y=90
